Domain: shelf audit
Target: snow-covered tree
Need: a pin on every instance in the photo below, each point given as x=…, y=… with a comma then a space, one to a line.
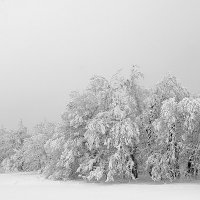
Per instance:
x=7, y=144
x=114, y=130
x=169, y=87
x=68, y=141
x=112, y=135
x=31, y=155
x=13, y=141
x=189, y=113
x=165, y=129
x=53, y=149
x=166, y=157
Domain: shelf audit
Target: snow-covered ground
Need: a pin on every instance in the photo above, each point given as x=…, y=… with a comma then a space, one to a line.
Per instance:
x=29, y=186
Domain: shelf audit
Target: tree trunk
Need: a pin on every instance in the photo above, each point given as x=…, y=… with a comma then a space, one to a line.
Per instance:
x=135, y=167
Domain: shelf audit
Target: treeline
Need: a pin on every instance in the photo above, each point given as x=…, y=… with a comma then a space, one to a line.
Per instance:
x=114, y=130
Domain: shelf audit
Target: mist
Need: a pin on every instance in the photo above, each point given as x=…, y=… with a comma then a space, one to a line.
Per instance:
x=49, y=48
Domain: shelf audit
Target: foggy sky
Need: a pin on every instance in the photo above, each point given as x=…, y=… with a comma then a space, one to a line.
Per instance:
x=51, y=47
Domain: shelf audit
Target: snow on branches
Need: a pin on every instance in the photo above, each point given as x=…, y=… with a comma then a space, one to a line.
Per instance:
x=114, y=130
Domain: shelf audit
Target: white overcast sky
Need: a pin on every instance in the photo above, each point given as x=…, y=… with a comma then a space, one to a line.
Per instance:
x=50, y=47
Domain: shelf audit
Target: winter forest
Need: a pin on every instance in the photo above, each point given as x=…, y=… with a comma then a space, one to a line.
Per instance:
x=114, y=130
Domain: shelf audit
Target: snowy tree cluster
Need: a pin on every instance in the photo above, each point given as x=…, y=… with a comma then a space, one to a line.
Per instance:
x=115, y=130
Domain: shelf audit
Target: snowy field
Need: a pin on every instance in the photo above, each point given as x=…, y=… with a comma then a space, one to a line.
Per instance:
x=21, y=186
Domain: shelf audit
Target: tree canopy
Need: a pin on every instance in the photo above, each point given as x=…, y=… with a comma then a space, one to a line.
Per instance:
x=114, y=130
